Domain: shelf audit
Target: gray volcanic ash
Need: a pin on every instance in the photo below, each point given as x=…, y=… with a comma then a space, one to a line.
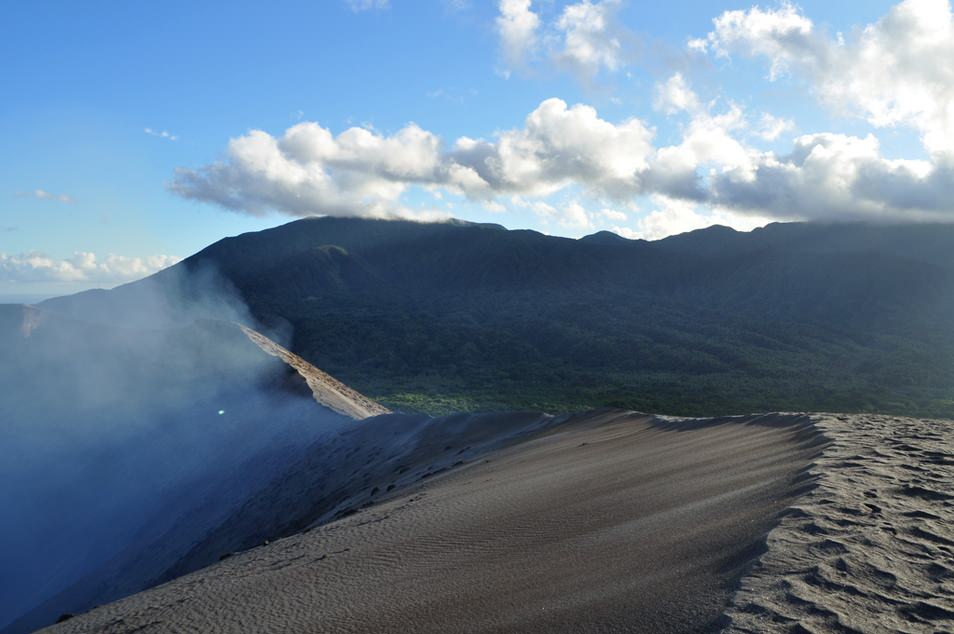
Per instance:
x=871, y=548
x=606, y=521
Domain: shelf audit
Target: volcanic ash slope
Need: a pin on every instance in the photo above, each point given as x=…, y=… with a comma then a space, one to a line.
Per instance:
x=607, y=521
x=613, y=521
x=871, y=548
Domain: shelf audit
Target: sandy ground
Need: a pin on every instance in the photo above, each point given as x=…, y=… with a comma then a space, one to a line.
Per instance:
x=871, y=548
x=611, y=522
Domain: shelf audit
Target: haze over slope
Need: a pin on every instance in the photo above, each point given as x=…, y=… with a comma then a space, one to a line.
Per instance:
x=455, y=316
x=121, y=438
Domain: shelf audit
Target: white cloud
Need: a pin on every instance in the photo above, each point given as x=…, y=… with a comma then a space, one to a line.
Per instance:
x=771, y=127
x=675, y=95
x=543, y=210
x=82, y=267
x=559, y=145
x=613, y=214
x=835, y=176
x=561, y=148
x=42, y=194
x=575, y=216
x=698, y=44
x=585, y=37
x=590, y=39
x=709, y=141
x=162, y=134
x=368, y=5
x=896, y=71
x=901, y=71
x=671, y=217
x=626, y=232
x=518, y=27
x=571, y=216
x=308, y=171
x=783, y=35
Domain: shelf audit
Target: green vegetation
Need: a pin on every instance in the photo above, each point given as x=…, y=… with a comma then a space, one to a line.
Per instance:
x=449, y=317
x=550, y=358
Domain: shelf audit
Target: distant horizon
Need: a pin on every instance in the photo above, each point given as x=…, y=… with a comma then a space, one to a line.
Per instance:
x=30, y=298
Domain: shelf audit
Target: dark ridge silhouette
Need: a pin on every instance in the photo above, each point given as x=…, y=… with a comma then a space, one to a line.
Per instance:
x=440, y=317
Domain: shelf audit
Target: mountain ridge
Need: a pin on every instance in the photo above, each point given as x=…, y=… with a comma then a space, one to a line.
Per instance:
x=438, y=317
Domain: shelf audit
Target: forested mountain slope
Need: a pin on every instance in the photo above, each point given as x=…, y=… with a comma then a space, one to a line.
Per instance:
x=444, y=316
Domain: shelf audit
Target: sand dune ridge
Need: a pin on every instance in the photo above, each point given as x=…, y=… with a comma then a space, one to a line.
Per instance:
x=871, y=547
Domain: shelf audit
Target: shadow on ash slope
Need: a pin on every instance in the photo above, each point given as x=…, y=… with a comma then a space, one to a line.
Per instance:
x=871, y=548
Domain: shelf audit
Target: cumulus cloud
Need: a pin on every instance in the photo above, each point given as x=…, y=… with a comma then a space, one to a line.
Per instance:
x=575, y=216
x=824, y=176
x=672, y=216
x=82, y=267
x=712, y=142
x=782, y=35
x=708, y=140
x=309, y=171
x=771, y=127
x=572, y=216
x=585, y=37
x=843, y=177
x=625, y=232
x=518, y=27
x=590, y=36
x=896, y=71
x=675, y=95
x=715, y=165
x=668, y=218
x=559, y=145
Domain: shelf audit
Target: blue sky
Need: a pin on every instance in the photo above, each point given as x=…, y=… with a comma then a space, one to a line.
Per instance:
x=105, y=101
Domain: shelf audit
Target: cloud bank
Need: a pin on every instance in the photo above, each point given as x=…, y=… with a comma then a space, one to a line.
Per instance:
x=896, y=71
x=82, y=267
x=565, y=163
x=310, y=171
